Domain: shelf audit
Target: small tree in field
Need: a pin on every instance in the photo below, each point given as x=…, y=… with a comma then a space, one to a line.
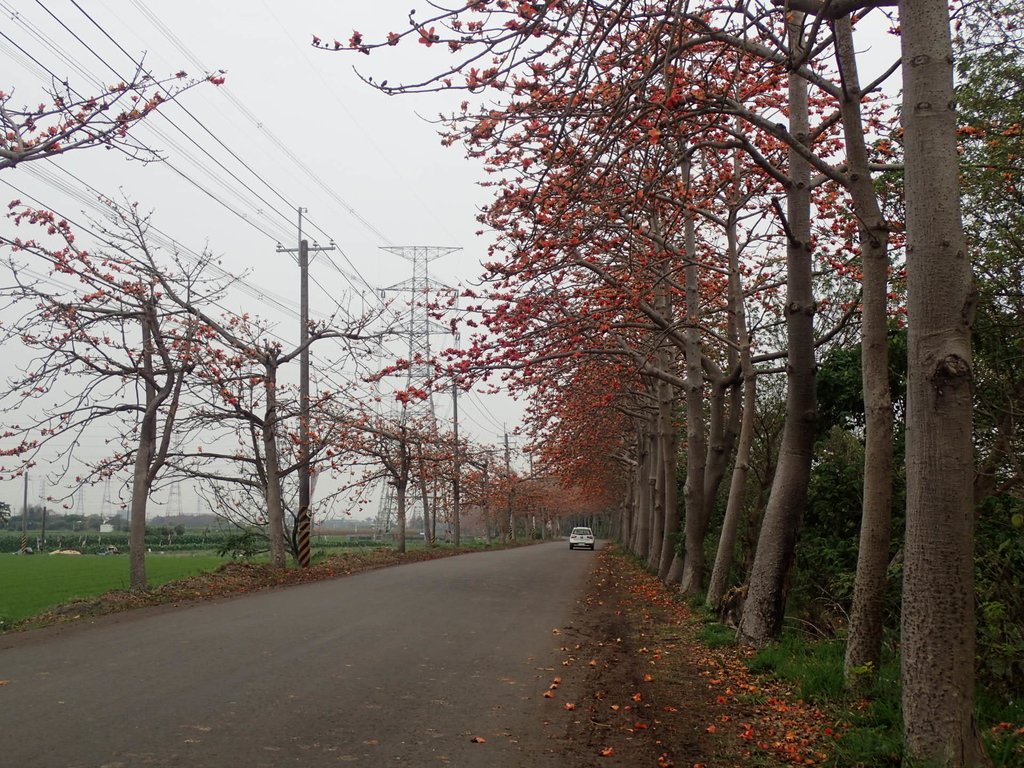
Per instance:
x=248, y=418
x=110, y=347
x=383, y=449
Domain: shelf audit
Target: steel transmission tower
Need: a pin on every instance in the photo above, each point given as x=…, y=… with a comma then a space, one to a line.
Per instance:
x=421, y=287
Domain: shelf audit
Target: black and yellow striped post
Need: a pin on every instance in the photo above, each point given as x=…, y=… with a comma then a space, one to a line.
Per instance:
x=302, y=537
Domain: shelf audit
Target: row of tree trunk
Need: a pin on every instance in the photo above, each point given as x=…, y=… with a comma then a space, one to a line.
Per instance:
x=937, y=614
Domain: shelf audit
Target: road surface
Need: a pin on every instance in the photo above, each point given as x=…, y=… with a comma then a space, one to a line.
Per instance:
x=401, y=666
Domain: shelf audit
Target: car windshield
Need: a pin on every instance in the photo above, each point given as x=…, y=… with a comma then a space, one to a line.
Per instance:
x=582, y=532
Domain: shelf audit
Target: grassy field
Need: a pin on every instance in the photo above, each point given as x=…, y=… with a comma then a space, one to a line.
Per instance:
x=33, y=584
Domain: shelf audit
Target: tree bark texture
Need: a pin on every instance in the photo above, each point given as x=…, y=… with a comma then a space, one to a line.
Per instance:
x=670, y=442
x=741, y=467
x=428, y=534
x=140, y=496
x=642, y=542
x=776, y=545
x=274, y=498
x=657, y=515
x=625, y=531
x=864, y=640
x=400, y=501
x=737, y=491
x=696, y=524
x=657, y=493
x=938, y=623
x=667, y=470
x=724, y=416
x=143, y=459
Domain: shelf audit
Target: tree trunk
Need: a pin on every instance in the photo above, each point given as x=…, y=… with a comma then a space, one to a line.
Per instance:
x=938, y=621
x=738, y=485
x=274, y=499
x=864, y=640
x=643, y=496
x=695, y=526
x=776, y=545
x=400, y=504
x=625, y=536
x=657, y=481
x=428, y=528
x=667, y=469
x=723, y=427
x=140, y=498
x=143, y=461
x=737, y=489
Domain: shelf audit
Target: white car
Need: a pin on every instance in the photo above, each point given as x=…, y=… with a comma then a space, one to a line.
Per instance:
x=581, y=537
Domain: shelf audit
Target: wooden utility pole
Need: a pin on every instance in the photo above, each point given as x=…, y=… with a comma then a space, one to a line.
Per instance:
x=303, y=520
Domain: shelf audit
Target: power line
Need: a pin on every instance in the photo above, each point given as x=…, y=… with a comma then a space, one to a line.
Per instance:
x=324, y=366
x=357, y=282
x=260, y=125
x=180, y=173
x=248, y=113
x=280, y=144
x=278, y=236
x=187, y=253
x=165, y=116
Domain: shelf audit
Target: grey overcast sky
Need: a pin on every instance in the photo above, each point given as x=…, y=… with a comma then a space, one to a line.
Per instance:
x=304, y=131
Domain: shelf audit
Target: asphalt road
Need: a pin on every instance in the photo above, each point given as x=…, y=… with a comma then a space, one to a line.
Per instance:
x=401, y=666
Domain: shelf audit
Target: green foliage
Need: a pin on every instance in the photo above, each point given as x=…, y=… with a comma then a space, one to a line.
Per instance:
x=990, y=101
x=872, y=736
x=246, y=543
x=822, y=583
x=821, y=589
x=840, y=388
x=999, y=585
x=815, y=667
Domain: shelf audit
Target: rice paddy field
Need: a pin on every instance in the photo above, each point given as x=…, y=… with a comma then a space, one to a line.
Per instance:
x=32, y=584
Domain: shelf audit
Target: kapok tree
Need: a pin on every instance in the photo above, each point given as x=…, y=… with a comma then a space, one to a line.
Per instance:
x=249, y=416
x=937, y=616
x=576, y=91
x=530, y=70
x=373, y=448
x=66, y=119
x=110, y=348
x=581, y=434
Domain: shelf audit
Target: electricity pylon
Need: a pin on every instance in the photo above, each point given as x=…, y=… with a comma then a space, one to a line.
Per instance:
x=421, y=286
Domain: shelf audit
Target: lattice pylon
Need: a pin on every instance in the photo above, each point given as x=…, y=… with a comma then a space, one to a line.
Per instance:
x=421, y=286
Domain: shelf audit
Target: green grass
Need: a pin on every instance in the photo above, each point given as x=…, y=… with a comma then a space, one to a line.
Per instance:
x=816, y=667
x=715, y=635
x=36, y=583
x=873, y=735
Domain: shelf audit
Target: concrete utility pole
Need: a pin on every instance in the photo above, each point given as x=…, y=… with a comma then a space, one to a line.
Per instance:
x=508, y=490
x=24, y=517
x=456, y=461
x=303, y=523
